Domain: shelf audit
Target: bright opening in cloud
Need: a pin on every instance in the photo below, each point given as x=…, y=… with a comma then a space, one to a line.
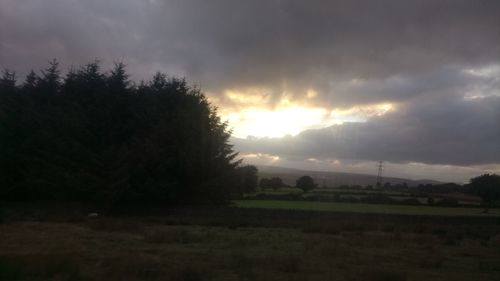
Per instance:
x=252, y=111
x=275, y=123
x=290, y=119
x=267, y=158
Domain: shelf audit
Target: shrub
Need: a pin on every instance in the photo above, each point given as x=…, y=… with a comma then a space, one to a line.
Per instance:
x=410, y=201
x=378, y=199
x=430, y=201
x=447, y=202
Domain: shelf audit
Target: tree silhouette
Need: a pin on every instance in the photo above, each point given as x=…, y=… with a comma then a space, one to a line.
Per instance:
x=264, y=183
x=96, y=137
x=118, y=78
x=274, y=183
x=487, y=187
x=306, y=183
x=248, y=179
x=30, y=82
x=50, y=80
x=8, y=80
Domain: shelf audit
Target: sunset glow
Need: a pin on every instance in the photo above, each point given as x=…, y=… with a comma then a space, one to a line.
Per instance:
x=275, y=123
x=291, y=120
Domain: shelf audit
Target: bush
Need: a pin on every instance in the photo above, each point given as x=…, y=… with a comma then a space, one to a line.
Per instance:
x=286, y=196
x=430, y=201
x=447, y=202
x=349, y=199
x=410, y=201
x=378, y=199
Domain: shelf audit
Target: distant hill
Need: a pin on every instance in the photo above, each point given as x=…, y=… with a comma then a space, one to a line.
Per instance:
x=333, y=179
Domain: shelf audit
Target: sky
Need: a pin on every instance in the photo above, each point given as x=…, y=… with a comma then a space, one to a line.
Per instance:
x=333, y=85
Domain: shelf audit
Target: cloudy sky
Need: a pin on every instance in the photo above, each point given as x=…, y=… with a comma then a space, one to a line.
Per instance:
x=320, y=84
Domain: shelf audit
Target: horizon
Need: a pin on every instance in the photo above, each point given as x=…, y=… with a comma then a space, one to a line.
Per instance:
x=352, y=173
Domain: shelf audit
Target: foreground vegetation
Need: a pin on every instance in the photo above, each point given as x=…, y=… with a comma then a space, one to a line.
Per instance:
x=365, y=208
x=246, y=244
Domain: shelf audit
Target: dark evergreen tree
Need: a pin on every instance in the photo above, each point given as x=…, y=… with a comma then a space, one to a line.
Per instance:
x=10, y=104
x=118, y=80
x=50, y=81
x=96, y=137
x=29, y=84
x=8, y=80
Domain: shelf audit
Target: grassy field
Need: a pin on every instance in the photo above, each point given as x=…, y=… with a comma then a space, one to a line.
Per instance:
x=194, y=244
x=319, y=190
x=369, y=196
x=364, y=208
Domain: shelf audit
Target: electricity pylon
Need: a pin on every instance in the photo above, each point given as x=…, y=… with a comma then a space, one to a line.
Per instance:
x=380, y=167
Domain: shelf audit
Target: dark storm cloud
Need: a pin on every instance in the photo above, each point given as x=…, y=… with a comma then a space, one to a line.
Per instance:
x=75, y=32
x=456, y=132
x=282, y=45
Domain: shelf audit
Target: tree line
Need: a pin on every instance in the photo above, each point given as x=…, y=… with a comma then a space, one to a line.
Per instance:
x=486, y=186
x=306, y=183
x=97, y=137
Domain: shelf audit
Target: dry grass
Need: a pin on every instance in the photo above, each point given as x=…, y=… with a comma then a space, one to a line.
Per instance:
x=157, y=248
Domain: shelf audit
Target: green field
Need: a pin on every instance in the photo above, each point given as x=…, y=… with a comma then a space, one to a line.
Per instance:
x=364, y=208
